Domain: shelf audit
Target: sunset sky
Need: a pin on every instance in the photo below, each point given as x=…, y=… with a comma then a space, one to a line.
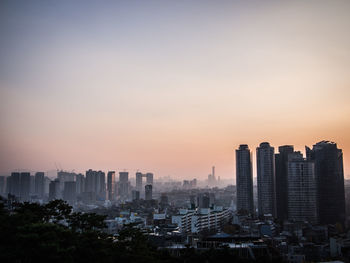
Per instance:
x=171, y=87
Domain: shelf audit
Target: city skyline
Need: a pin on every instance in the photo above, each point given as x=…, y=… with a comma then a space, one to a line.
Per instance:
x=172, y=88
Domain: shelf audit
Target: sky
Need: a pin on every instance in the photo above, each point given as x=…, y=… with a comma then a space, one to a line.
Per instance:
x=170, y=87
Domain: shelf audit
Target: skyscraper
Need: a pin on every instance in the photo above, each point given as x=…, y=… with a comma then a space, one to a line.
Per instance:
x=244, y=179
x=65, y=177
x=139, y=181
x=90, y=181
x=95, y=184
x=80, y=183
x=148, y=192
x=70, y=192
x=39, y=184
x=100, y=185
x=111, y=185
x=135, y=195
x=149, y=178
x=329, y=173
x=211, y=178
x=54, y=190
x=203, y=200
x=14, y=184
x=281, y=160
x=32, y=185
x=2, y=185
x=302, y=192
x=8, y=185
x=123, y=185
x=25, y=186
x=266, y=179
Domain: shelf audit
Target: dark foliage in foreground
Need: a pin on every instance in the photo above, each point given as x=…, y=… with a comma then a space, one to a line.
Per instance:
x=53, y=233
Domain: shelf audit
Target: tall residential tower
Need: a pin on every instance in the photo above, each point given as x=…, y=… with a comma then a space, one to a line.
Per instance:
x=281, y=160
x=266, y=179
x=329, y=173
x=302, y=192
x=244, y=179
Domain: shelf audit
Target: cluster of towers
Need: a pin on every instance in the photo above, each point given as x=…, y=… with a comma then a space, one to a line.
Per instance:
x=291, y=187
x=122, y=188
x=73, y=187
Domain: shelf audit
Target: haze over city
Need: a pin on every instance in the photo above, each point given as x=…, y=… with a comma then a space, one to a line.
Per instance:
x=171, y=87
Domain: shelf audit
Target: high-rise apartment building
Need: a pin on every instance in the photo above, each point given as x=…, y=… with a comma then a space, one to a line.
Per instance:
x=2, y=185
x=65, y=177
x=281, y=160
x=212, y=178
x=14, y=184
x=148, y=192
x=39, y=184
x=100, y=186
x=302, y=191
x=149, y=178
x=266, y=179
x=204, y=200
x=90, y=181
x=54, y=190
x=123, y=185
x=111, y=185
x=329, y=173
x=32, y=185
x=70, y=192
x=25, y=187
x=80, y=183
x=139, y=181
x=244, y=180
x=95, y=184
x=135, y=195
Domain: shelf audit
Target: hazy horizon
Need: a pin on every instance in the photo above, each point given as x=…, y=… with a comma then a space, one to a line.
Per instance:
x=169, y=87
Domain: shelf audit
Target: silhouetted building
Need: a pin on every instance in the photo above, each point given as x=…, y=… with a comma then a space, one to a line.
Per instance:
x=2, y=185
x=65, y=177
x=193, y=201
x=203, y=200
x=90, y=181
x=24, y=187
x=139, y=181
x=148, y=192
x=70, y=192
x=100, y=186
x=39, y=184
x=14, y=184
x=123, y=185
x=244, y=179
x=32, y=185
x=281, y=160
x=149, y=178
x=8, y=185
x=164, y=199
x=47, y=182
x=302, y=192
x=80, y=183
x=329, y=173
x=266, y=179
x=211, y=178
x=111, y=185
x=95, y=183
x=135, y=195
x=54, y=190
